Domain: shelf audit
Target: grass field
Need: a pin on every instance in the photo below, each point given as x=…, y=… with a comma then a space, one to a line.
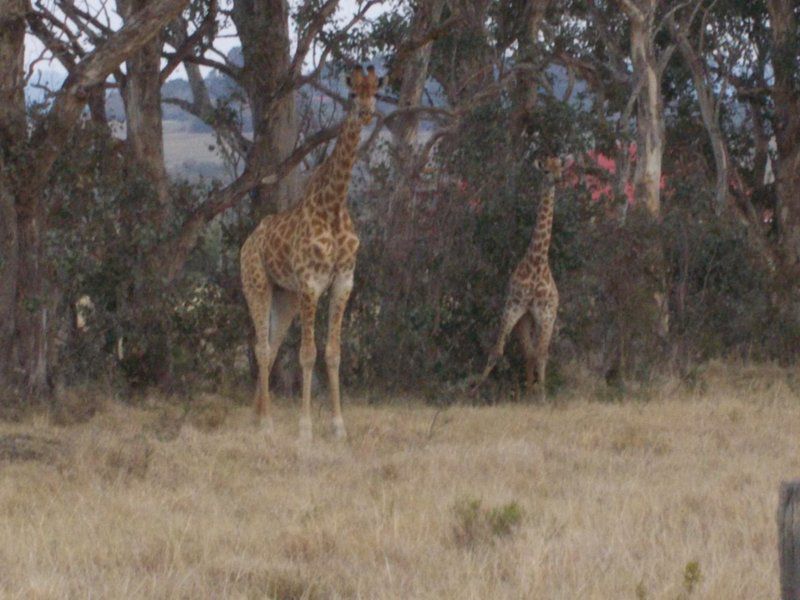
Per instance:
x=670, y=498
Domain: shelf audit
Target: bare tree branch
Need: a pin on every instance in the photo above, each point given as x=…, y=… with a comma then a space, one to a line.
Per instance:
x=49, y=139
x=185, y=45
x=306, y=37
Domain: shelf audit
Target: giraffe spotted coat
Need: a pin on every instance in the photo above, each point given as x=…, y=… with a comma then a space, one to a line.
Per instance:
x=294, y=256
x=531, y=301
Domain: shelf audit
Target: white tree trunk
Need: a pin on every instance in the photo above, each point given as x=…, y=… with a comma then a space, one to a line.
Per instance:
x=649, y=117
x=263, y=27
x=142, y=98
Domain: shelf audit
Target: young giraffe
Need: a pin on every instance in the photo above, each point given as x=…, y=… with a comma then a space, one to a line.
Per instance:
x=294, y=256
x=532, y=298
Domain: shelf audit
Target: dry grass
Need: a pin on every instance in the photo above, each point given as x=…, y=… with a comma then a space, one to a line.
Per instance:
x=673, y=498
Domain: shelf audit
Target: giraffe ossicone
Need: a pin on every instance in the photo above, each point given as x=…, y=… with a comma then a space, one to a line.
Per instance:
x=293, y=257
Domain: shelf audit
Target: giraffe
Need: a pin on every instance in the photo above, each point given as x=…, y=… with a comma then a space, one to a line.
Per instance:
x=532, y=297
x=293, y=257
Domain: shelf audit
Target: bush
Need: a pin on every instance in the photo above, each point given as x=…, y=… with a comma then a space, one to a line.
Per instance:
x=476, y=525
x=432, y=273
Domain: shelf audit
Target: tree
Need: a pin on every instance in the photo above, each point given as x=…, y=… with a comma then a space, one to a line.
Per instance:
x=784, y=17
x=27, y=159
x=691, y=39
x=141, y=93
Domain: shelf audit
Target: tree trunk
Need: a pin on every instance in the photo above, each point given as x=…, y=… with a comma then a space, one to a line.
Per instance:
x=708, y=111
x=786, y=124
x=97, y=106
x=9, y=267
x=26, y=162
x=649, y=146
x=141, y=94
x=413, y=73
x=263, y=27
x=12, y=90
x=649, y=117
x=33, y=306
x=203, y=108
x=525, y=92
x=13, y=129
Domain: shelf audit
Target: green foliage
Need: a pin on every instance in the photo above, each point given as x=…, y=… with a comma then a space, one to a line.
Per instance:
x=691, y=576
x=105, y=244
x=504, y=519
x=431, y=282
x=476, y=525
x=437, y=251
x=641, y=591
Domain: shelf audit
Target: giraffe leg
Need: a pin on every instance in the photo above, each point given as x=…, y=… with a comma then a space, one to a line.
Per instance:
x=340, y=293
x=545, y=320
x=511, y=314
x=308, y=355
x=524, y=331
x=258, y=293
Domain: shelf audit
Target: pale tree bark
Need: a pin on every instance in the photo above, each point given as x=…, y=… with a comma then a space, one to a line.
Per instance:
x=414, y=72
x=709, y=102
x=27, y=161
x=649, y=103
x=648, y=69
x=786, y=124
x=141, y=93
x=263, y=27
x=411, y=67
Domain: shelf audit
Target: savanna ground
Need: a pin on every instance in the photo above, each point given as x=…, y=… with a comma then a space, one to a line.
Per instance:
x=666, y=494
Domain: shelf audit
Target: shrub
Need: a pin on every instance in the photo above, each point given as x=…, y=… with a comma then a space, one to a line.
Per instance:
x=476, y=525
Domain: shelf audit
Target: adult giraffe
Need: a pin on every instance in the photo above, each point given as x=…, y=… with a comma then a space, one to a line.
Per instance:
x=294, y=256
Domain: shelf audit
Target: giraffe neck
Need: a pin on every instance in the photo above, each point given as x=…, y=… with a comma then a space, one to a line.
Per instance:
x=338, y=166
x=540, y=242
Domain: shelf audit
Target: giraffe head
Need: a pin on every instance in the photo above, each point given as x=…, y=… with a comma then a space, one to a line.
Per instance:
x=552, y=168
x=363, y=89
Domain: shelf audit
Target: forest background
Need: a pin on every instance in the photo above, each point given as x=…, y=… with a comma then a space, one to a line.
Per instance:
x=140, y=143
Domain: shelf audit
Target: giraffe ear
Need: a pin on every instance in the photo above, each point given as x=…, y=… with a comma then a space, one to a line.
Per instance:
x=537, y=164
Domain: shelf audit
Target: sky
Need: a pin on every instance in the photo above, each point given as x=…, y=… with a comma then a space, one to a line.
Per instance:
x=33, y=48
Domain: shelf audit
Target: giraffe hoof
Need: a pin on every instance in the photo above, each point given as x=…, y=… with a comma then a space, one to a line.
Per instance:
x=305, y=431
x=338, y=428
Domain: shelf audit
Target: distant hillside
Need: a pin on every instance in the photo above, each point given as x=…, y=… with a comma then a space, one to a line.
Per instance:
x=190, y=147
x=220, y=87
